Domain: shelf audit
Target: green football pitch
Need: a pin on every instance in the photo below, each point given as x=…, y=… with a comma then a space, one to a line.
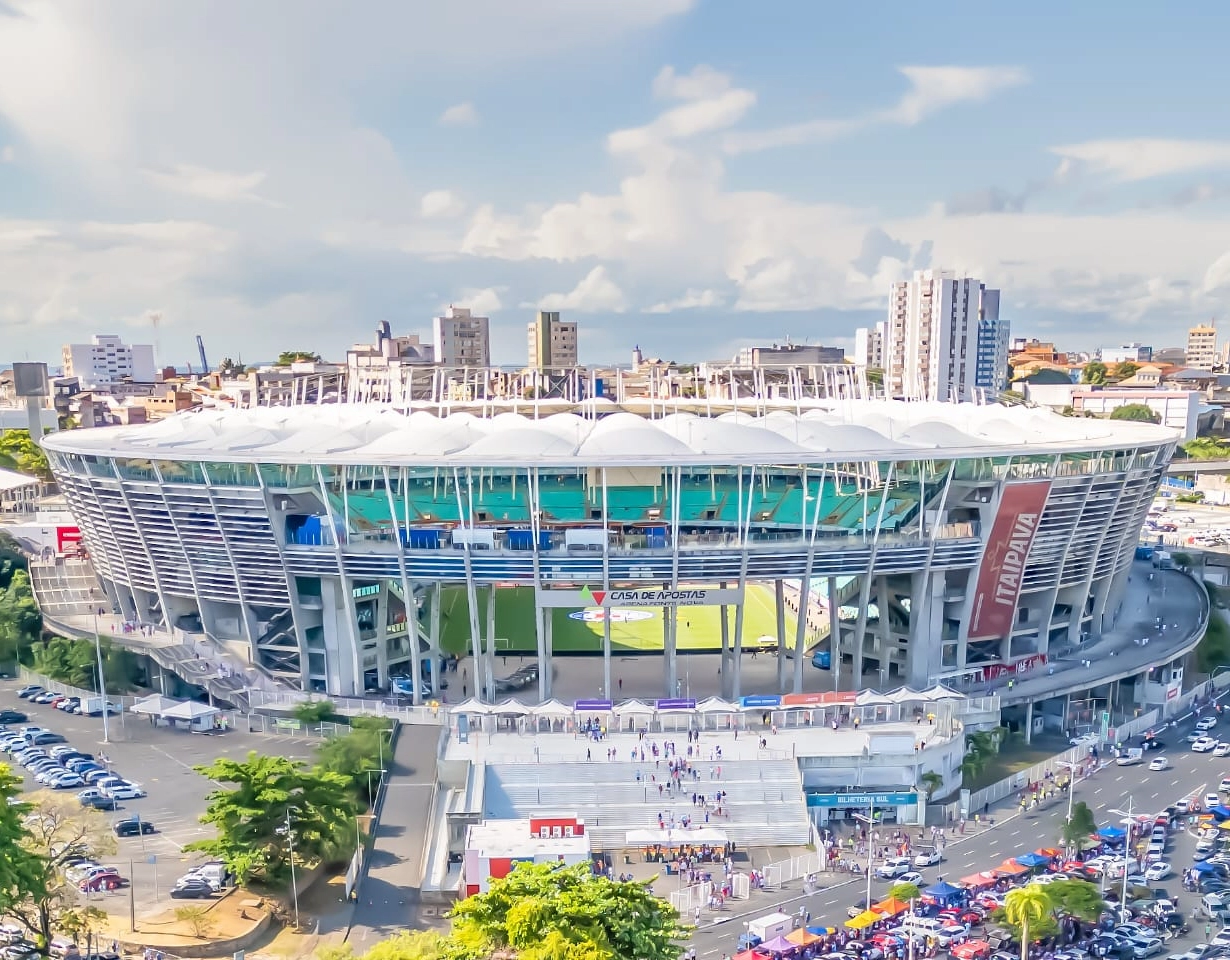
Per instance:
x=699, y=627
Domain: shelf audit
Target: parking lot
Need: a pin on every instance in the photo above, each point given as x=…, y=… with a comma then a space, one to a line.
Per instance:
x=161, y=761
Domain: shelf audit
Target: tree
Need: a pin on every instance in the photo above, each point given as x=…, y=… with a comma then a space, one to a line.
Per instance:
x=1182, y=560
x=1075, y=898
x=1081, y=826
x=287, y=357
x=313, y=712
x=357, y=753
x=1125, y=369
x=1206, y=448
x=199, y=920
x=980, y=749
x=544, y=911
x=904, y=892
x=76, y=662
x=21, y=453
x=403, y=945
x=57, y=828
x=270, y=795
x=21, y=623
x=1214, y=647
x=20, y=873
x=1094, y=372
x=930, y=782
x=875, y=376
x=1140, y=412
x=1026, y=909
x=229, y=368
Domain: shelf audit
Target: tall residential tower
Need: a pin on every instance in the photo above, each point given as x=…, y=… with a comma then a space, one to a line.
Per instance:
x=552, y=342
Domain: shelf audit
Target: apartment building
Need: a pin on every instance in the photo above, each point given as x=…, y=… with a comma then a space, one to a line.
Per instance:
x=107, y=360
x=551, y=342
x=460, y=339
x=1201, y=347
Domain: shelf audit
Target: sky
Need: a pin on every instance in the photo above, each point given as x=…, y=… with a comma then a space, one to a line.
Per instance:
x=691, y=176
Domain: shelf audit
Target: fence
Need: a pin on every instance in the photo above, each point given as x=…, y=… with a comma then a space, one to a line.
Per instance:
x=982, y=799
x=232, y=719
x=782, y=872
x=351, y=706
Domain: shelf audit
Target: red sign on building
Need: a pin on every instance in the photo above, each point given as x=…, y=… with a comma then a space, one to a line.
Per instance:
x=1003, y=561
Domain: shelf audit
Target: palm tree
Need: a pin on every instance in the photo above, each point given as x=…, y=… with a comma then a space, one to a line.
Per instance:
x=1026, y=905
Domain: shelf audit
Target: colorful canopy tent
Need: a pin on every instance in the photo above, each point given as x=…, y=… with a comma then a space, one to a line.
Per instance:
x=777, y=945
x=864, y=920
x=1032, y=860
x=944, y=891
x=976, y=881
x=822, y=931
x=802, y=938
x=1220, y=812
x=1009, y=868
x=748, y=955
x=1112, y=833
x=1204, y=867
x=1048, y=852
x=890, y=907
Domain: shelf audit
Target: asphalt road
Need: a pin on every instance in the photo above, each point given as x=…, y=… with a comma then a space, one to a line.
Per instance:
x=1013, y=834
x=161, y=761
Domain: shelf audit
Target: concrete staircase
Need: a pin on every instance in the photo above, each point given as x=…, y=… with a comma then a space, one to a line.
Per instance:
x=765, y=799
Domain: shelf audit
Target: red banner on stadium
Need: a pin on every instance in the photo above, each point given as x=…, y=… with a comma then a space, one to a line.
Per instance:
x=1003, y=561
x=827, y=698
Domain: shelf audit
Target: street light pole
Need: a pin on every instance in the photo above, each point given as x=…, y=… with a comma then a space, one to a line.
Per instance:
x=290, y=840
x=871, y=825
x=1127, y=845
x=102, y=684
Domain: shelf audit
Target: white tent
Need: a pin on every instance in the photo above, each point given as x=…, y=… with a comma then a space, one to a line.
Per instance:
x=472, y=706
x=633, y=708
x=154, y=706
x=716, y=705
x=672, y=838
x=905, y=695
x=941, y=692
x=870, y=698
x=513, y=706
x=552, y=708
x=190, y=710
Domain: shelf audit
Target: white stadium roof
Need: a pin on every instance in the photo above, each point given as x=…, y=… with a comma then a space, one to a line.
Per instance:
x=374, y=434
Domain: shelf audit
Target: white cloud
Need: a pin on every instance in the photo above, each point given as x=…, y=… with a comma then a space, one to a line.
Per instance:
x=482, y=303
x=596, y=293
x=206, y=184
x=711, y=103
x=931, y=89
x=701, y=84
x=1217, y=277
x=691, y=300
x=441, y=204
x=459, y=115
x=1144, y=158
x=8, y=153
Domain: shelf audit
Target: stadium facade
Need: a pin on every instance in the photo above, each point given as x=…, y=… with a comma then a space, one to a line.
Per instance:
x=940, y=541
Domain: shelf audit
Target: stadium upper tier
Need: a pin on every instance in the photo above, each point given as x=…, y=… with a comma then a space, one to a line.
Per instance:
x=604, y=435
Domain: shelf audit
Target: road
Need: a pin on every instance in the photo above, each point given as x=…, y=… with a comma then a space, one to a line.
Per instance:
x=1013, y=834
x=161, y=760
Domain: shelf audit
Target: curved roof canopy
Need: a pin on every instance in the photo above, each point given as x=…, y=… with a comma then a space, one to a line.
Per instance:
x=373, y=434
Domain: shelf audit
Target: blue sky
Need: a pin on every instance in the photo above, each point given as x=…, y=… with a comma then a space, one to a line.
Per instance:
x=689, y=175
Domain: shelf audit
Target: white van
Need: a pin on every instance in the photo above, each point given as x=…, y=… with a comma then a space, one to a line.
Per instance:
x=923, y=926
x=213, y=873
x=61, y=947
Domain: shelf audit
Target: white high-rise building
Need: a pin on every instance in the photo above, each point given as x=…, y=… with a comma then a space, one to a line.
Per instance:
x=943, y=339
x=107, y=360
x=869, y=346
x=460, y=339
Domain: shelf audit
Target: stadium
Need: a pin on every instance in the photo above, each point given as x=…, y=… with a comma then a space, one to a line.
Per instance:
x=344, y=545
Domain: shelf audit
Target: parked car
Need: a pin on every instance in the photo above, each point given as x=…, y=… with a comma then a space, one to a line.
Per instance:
x=103, y=881
x=124, y=791
x=68, y=704
x=132, y=827
x=29, y=690
x=12, y=716
x=46, y=737
x=191, y=888
x=101, y=803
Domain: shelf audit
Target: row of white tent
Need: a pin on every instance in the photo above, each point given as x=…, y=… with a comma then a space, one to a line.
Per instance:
x=157, y=705
x=556, y=708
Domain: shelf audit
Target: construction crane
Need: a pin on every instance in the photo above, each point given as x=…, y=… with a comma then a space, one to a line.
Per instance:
x=200, y=346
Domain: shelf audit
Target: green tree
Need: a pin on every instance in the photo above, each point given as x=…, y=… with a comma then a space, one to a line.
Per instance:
x=75, y=662
x=270, y=795
x=57, y=828
x=1080, y=827
x=930, y=782
x=358, y=752
x=403, y=945
x=1206, y=448
x=200, y=920
x=543, y=911
x=287, y=357
x=21, y=623
x=875, y=376
x=1182, y=560
x=312, y=712
x=1075, y=898
x=905, y=892
x=1141, y=412
x=19, y=452
x=20, y=870
x=1027, y=911
x=229, y=368
x=1094, y=372
x=1214, y=648
x=1125, y=369
x=980, y=749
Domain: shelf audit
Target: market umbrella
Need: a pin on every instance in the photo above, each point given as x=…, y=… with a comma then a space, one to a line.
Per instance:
x=802, y=937
x=864, y=920
x=822, y=931
x=1010, y=868
x=891, y=907
x=1032, y=860
x=777, y=945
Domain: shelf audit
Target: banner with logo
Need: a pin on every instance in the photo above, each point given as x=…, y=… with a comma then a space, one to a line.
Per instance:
x=683, y=597
x=1003, y=561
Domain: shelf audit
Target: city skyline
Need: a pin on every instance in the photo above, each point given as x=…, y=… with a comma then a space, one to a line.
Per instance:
x=650, y=170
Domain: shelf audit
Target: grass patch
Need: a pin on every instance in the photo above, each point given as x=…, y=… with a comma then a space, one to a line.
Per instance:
x=1016, y=755
x=700, y=628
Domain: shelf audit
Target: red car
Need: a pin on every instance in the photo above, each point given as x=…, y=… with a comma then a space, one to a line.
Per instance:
x=100, y=882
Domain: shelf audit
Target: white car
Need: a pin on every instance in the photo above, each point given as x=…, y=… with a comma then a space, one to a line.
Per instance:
x=1157, y=871
x=1222, y=749
x=1146, y=947
x=927, y=858
x=1224, y=786
x=893, y=868
x=912, y=877
x=1211, y=800
x=1203, y=745
x=1206, y=723
x=1159, y=763
x=125, y=791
